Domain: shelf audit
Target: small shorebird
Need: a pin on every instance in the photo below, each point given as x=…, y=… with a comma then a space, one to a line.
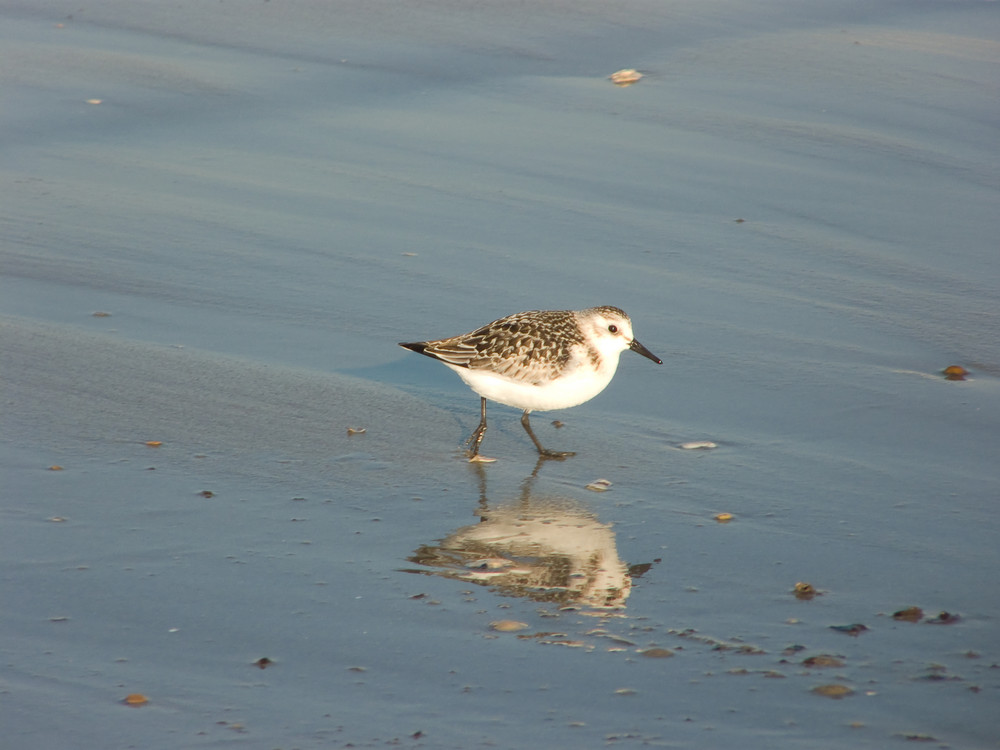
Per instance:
x=537, y=361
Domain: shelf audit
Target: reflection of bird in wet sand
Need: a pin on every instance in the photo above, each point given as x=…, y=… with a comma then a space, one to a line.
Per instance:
x=544, y=549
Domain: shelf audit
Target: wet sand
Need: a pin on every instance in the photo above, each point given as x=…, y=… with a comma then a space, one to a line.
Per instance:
x=797, y=207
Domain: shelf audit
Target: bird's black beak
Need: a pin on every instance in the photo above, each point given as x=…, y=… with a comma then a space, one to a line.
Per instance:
x=637, y=347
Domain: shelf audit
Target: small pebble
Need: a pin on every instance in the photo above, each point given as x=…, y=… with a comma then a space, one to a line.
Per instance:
x=508, y=626
x=854, y=629
x=832, y=691
x=910, y=614
x=599, y=485
x=804, y=590
x=699, y=445
x=822, y=661
x=954, y=372
x=657, y=653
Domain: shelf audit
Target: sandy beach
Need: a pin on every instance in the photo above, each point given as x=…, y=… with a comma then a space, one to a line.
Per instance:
x=227, y=490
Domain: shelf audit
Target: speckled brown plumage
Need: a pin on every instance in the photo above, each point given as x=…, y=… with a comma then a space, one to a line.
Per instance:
x=529, y=347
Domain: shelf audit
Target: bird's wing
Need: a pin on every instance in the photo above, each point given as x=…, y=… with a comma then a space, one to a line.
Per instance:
x=523, y=359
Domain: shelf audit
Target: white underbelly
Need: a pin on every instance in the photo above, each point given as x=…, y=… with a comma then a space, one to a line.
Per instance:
x=577, y=386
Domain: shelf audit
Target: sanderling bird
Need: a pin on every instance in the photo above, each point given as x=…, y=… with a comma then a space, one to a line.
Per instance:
x=537, y=361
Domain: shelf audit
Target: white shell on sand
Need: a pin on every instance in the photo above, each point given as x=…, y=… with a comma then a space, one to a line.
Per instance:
x=625, y=77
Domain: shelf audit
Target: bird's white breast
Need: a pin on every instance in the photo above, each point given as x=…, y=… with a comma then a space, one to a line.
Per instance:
x=578, y=382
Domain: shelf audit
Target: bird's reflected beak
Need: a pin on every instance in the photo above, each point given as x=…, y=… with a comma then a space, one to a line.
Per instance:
x=637, y=347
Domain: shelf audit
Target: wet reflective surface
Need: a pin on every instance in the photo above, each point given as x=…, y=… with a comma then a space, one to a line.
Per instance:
x=219, y=219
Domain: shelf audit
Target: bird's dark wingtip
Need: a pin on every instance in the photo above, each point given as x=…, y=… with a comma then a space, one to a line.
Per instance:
x=414, y=346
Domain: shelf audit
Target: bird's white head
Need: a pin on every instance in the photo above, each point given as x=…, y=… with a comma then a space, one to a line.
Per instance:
x=610, y=332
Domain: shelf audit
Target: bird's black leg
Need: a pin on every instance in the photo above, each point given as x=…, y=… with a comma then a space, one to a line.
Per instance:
x=477, y=436
x=543, y=452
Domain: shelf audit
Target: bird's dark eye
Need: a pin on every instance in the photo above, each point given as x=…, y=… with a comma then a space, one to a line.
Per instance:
x=613, y=328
